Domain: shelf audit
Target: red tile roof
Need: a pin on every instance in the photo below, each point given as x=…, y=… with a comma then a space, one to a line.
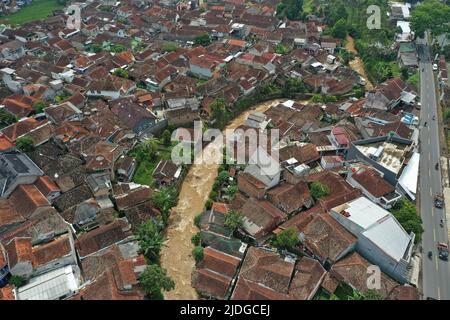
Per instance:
x=18, y=250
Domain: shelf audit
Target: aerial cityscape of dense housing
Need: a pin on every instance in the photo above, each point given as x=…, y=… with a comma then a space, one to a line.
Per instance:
x=95, y=96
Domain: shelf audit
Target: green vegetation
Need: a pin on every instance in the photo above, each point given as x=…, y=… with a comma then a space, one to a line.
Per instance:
x=165, y=199
x=281, y=49
x=116, y=48
x=37, y=10
x=148, y=154
x=203, y=40
x=26, y=144
x=373, y=294
x=319, y=190
x=197, y=220
x=6, y=118
x=406, y=213
x=197, y=253
x=166, y=138
x=150, y=240
x=340, y=29
x=318, y=98
x=233, y=220
x=39, y=106
x=153, y=280
x=291, y=9
x=414, y=80
x=169, y=47
x=431, y=15
x=119, y=72
x=286, y=239
x=17, y=281
x=219, y=113
x=196, y=239
x=96, y=47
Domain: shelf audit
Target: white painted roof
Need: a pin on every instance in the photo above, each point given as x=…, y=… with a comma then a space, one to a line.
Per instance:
x=364, y=212
x=409, y=177
x=389, y=235
x=51, y=285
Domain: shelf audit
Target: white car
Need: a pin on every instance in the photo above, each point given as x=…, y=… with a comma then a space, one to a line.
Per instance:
x=435, y=67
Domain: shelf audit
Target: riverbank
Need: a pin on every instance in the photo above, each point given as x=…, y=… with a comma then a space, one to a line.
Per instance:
x=357, y=64
x=176, y=254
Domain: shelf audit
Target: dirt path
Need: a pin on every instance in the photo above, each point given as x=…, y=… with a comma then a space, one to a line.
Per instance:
x=176, y=255
x=357, y=64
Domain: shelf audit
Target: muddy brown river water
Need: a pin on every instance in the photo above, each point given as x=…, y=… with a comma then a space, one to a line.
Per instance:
x=357, y=64
x=176, y=254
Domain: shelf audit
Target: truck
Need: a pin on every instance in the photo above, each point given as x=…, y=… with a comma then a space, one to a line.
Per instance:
x=439, y=200
x=443, y=251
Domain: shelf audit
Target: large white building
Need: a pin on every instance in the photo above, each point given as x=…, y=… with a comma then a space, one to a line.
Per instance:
x=381, y=238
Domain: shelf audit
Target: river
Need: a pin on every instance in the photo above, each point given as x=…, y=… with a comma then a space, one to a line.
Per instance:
x=176, y=254
x=357, y=64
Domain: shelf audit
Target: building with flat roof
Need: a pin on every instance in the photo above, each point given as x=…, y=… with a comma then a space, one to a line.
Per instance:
x=381, y=238
x=388, y=154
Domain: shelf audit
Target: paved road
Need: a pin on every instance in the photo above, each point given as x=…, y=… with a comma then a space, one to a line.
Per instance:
x=435, y=272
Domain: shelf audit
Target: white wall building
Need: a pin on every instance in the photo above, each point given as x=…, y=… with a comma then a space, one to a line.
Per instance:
x=381, y=238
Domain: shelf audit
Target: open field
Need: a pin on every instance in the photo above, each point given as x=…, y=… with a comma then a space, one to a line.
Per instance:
x=37, y=10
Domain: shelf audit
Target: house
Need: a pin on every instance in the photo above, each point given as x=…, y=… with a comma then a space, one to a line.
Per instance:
x=125, y=167
x=48, y=188
x=381, y=238
x=340, y=190
x=100, y=238
x=166, y=173
x=16, y=169
x=28, y=200
x=373, y=186
x=387, y=154
x=53, y=255
x=386, y=96
x=111, y=87
x=63, y=112
x=12, y=50
x=54, y=285
x=204, y=66
x=263, y=275
x=215, y=273
x=135, y=117
x=260, y=217
x=407, y=55
x=290, y=198
x=352, y=270
x=19, y=256
x=339, y=139
x=19, y=105
x=250, y=186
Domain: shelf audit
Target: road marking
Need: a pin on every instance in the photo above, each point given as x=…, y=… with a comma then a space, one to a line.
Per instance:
x=434, y=233
x=436, y=264
x=439, y=293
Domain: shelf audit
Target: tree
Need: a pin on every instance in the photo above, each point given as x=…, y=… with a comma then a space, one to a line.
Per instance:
x=39, y=106
x=231, y=191
x=6, y=118
x=286, y=239
x=430, y=15
x=406, y=213
x=145, y=151
x=355, y=296
x=340, y=29
x=219, y=112
x=154, y=279
x=292, y=9
x=223, y=177
x=203, y=39
x=26, y=144
x=281, y=49
x=373, y=294
x=150, y=240
x=96, y=47
x=197, y=253
x=167, y=137
x=165, y=199
x=233, y=220
x=17, y=281
x=196, y=239
x=119, y=72
x=319, y=190
x=169, y=47
x=404, y=72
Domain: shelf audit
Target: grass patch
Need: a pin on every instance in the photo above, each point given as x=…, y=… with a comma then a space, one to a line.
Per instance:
x=396, y=73
x=414, y=80
x=37, y=10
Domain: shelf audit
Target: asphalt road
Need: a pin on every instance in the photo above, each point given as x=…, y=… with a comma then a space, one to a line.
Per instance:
x=435, y=272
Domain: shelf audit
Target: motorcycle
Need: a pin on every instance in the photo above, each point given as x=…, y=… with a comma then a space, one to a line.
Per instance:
x=441, y=223
x=436, y=166
x=430, y=254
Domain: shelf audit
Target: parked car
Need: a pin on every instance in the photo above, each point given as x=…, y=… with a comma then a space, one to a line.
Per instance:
x=435, y=67
x=443, y=251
